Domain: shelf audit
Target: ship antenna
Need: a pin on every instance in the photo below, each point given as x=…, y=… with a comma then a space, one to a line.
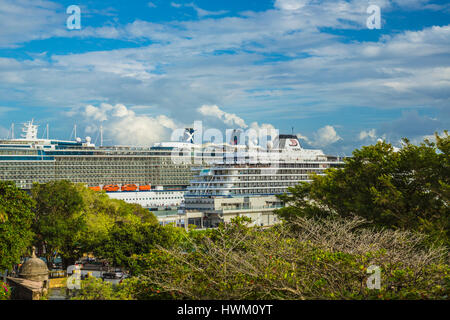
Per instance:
x=12, y=130
x=101, y=136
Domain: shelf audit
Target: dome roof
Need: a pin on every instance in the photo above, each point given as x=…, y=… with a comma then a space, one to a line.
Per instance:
x=34, y=269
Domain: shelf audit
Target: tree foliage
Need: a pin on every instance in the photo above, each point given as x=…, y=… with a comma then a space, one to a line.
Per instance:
x=125, y=240
x=60, y=219
x=16, y=217
x=5, y=291
x=307, y=259
x=96, y=289
x=406, y=188
x=72, y=220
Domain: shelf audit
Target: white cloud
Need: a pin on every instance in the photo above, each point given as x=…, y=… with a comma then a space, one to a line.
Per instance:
x=203, y=13
x=369, y=134
x=290, y=4
x=227, y=118
x=264, y=126
x=323, y=137
x=97, y=113
x=26, y=20
x=226, y=61
x=303, y=137
x=151, y=5
x=123, y=126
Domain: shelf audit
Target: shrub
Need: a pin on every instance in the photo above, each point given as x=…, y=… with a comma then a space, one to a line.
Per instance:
x=307, y=259
x=96, y=289
x=5, y=291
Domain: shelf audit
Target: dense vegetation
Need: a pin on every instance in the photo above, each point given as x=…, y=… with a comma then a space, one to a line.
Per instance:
x=16, y=217
x=385, y=208
x=64, y=218
x=307, y=259
x=72, y=219
x=408, y=189
x=5, y=291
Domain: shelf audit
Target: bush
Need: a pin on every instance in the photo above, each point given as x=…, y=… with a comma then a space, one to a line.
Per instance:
x=5, y=291
x=307, y=259
x=96, y=289
x=407, y=189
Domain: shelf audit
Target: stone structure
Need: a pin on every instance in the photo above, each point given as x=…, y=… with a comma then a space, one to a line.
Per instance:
x=33, y=282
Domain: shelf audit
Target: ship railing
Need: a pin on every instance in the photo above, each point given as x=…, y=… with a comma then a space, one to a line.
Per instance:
x=248, y=208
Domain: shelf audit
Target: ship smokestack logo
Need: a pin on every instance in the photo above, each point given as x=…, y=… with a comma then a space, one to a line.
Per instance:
x=293, y=143
x=189, y=135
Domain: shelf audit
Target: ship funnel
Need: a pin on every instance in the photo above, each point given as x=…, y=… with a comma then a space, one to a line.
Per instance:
x=188, y=135
x=236, y=137
x=287, y=142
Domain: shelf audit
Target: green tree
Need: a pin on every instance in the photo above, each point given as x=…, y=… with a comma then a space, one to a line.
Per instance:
x=406, y=188
x=60, y=220
x=318, y=259
x=126, y=240
x=104, y=213
x=97, y=289
x=16, y=217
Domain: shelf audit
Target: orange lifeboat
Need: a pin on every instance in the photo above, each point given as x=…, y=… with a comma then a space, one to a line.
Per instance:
x=111, y=187
x=95, y=188
x=129, y=187
x=145, y=188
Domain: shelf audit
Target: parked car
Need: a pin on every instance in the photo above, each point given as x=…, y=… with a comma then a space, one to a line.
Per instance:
x=112, y=275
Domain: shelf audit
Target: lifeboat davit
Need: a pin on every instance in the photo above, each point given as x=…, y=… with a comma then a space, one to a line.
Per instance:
x=145, y=188
x=129, y=187
x=95, y=188
x=111, y=187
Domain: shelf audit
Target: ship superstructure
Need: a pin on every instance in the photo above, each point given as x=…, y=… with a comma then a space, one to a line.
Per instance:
x=248, y=184
x=180, y=181
x=29, y=159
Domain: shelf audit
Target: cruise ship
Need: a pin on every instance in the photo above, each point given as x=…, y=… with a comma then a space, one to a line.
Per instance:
x=248, y=185
x=180, y=181
x=155, y=177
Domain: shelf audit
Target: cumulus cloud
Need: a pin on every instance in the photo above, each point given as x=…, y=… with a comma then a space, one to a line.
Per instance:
x=228, y=61
x=264, y=126
x=322, y=137
x=369, y=134
x=98, y=113
x=123, y=126
x=230, y=119
x=302, y=137
x=326, y=136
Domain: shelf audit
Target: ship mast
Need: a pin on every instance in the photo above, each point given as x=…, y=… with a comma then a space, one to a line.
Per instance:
x=101, y=136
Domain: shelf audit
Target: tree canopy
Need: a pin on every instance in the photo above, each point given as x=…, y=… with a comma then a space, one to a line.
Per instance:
x=60, y=219
x=16, y=218
x=407, y=188
x=72, y=219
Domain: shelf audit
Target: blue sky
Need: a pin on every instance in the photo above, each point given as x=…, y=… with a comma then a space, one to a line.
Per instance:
x=145, y=68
